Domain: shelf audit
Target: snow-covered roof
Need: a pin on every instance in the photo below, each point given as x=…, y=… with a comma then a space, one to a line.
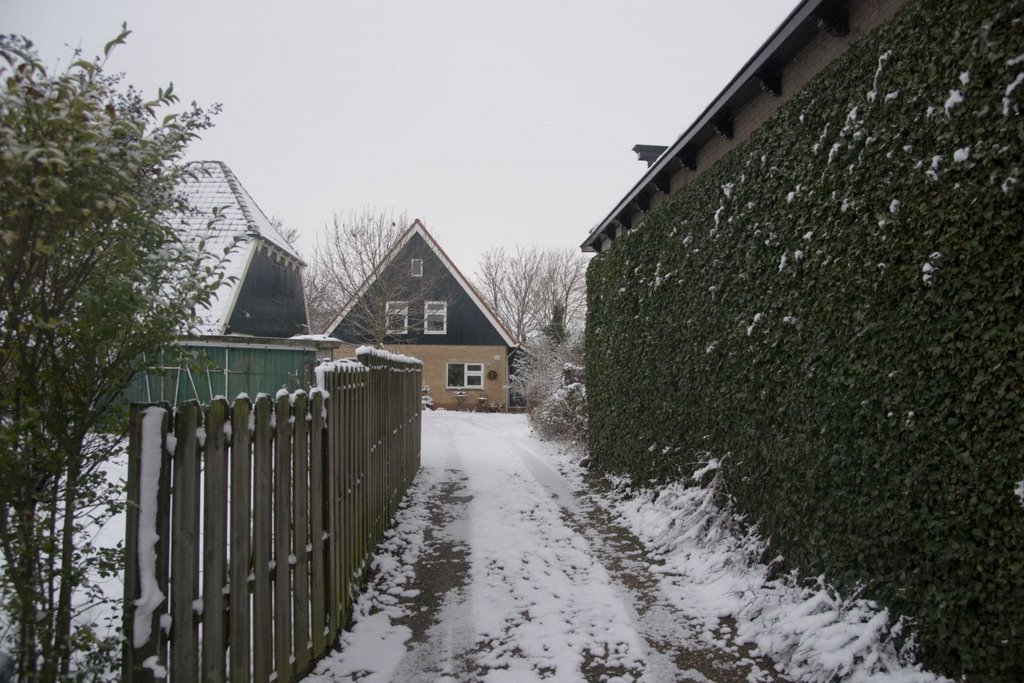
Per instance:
x=216, y=188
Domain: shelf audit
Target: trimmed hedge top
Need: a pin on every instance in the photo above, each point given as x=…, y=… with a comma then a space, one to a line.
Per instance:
x=835, y=310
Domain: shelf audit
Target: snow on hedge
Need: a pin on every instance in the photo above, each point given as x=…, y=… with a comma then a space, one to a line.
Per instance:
x=712, y=570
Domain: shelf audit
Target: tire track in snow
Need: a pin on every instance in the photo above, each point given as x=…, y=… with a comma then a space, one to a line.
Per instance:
x=501, y=568
x=677, y=648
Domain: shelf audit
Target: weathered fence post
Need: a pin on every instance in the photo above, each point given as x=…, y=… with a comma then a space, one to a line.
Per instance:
x=300, y=505
x=185, y=545
x=215, y=497
x=293, y=496
x=146, y=656
x=241, y=502
x=262, y=634
x=282, y=540
x=318, y=586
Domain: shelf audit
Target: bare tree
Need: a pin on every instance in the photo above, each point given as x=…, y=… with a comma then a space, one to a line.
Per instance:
x=563, y=287
x=289, y=232
x=353, y=271
x=511, y=282
x=529, y=287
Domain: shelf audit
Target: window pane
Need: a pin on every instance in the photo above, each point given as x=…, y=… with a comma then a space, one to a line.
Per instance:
x=398, y=317
x=456, y=375
x=417, y=267
x=475, y=367
x=435, y=317
x=474, y=381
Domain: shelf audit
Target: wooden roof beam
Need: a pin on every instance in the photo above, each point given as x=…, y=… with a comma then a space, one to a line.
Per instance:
x=833, y=18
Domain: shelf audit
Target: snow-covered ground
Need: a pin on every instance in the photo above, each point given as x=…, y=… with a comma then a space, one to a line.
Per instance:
x=505, y=565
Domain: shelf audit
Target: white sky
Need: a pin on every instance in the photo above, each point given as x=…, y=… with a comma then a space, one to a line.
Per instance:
x=497, y=123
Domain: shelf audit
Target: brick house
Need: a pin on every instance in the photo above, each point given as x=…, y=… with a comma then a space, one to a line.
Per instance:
x=433, y=313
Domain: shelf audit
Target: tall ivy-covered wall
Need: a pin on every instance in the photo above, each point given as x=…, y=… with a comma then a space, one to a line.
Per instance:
x=835, y=311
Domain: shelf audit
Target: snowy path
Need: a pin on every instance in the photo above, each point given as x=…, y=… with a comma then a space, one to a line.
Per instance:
x=502, y=568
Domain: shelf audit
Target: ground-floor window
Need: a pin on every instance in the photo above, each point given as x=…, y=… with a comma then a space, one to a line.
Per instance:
x=465, y=375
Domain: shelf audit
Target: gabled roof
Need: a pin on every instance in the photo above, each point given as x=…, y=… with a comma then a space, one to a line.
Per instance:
x=418, y=228
x=215, y=187
x=762, y=72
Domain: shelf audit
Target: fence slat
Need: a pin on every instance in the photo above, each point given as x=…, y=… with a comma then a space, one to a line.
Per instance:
x=282, y=541
x=262, y=623
x=185, y=546
x=316, y=527
x=156, y=644
x=294, y=500
x=300, y=504
x=241, y=511
x=345, y=486
x=215, y=492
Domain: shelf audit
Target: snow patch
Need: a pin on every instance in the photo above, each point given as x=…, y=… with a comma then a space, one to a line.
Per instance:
x=711, y=570
x=928, y=269
x=955, y=98
x=153, y=664
x=962, y=154
x=757, y=318
x=151, y=458
x=1009, y=91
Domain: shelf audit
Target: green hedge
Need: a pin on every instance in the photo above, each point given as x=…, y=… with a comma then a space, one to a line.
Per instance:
x=835, y=309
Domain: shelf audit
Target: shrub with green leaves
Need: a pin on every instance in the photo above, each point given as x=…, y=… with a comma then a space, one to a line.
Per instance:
x=835, y=311
x=93, y=276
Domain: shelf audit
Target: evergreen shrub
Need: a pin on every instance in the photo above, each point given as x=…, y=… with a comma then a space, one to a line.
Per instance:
x=834, y=310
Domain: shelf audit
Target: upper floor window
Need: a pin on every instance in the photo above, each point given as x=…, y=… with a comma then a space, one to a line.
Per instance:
x=398, y=317
x=417, y=267
x=435, y=317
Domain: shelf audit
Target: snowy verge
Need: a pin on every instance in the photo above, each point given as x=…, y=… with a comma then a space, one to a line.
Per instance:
x=710, y=568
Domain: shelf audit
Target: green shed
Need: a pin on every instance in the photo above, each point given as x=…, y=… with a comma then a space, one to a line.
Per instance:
x=228, y=366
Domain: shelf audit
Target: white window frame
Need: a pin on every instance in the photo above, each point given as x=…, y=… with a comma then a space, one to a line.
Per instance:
x=466, y=375
x=440, y=307
x=416, y=267
x=395, y=309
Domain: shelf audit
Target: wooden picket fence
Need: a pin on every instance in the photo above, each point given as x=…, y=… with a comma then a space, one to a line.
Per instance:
x=266, y=515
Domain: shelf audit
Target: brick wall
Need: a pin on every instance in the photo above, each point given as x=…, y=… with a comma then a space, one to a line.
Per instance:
x=435, y=371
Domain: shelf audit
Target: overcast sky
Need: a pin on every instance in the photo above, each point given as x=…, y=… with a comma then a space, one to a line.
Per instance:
x=497, y=123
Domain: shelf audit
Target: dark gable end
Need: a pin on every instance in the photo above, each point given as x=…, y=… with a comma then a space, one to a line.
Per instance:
x=270, y=300
x=467, y=323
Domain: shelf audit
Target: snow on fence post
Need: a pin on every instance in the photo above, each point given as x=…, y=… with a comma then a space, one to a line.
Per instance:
x=145, y=646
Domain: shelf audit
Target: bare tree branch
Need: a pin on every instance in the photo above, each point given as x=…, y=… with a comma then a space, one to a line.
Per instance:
x=525, y=287
x=350, y=272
